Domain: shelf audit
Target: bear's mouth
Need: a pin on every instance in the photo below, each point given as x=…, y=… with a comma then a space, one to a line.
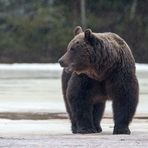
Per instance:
x=71, y=67
x=75, y=67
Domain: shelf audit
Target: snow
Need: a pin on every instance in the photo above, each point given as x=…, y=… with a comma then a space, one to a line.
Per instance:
x=32, y=107
x=142, y=67
x=36, y=70
x=48, y=66
x=45, y=70
x=34, y=66
x=44, y=95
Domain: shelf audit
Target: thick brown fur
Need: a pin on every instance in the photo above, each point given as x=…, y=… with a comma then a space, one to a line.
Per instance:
x=98, y=67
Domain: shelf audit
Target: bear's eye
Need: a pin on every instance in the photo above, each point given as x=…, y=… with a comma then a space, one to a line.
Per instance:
x=72, y=49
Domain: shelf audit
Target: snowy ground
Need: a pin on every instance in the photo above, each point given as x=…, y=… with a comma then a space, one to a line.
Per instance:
x=37, y=88
x=31, y=96
x=44, y=95
x=44, y=70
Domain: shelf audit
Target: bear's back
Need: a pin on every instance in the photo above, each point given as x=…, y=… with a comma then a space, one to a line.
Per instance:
x=116, y=44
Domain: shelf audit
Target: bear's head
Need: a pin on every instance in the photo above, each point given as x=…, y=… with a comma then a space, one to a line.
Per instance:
x=80, y=51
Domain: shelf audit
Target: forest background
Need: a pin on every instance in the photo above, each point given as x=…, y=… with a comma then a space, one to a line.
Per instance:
x=38, y=31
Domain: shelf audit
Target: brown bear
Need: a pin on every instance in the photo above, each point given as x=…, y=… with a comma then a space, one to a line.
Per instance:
x=99, y=67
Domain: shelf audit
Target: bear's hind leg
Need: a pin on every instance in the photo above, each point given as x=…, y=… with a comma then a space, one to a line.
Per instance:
x=124, y=93
x=98, y=111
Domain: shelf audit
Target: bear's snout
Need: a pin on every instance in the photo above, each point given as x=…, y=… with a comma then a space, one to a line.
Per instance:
x=61, y=62
x=64, y=60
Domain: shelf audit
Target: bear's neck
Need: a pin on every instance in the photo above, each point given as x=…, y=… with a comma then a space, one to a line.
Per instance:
x=93, y=74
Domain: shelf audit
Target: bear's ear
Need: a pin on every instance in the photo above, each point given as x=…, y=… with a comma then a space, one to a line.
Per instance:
x=89, y=36
x=77, y=30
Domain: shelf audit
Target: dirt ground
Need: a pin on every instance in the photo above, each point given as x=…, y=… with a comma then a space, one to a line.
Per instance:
x=136, y=140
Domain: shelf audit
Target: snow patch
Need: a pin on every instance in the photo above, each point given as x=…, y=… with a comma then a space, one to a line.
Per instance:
x=49, y=66
x=34, y=66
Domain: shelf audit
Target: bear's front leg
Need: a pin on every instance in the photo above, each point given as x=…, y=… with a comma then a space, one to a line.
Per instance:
x=80, y=105
x=98, y=110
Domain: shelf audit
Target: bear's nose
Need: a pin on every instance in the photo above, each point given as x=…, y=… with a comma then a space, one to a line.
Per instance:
x=61, y=62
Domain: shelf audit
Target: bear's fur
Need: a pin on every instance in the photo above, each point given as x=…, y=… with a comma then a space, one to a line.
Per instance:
x=98, y=67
